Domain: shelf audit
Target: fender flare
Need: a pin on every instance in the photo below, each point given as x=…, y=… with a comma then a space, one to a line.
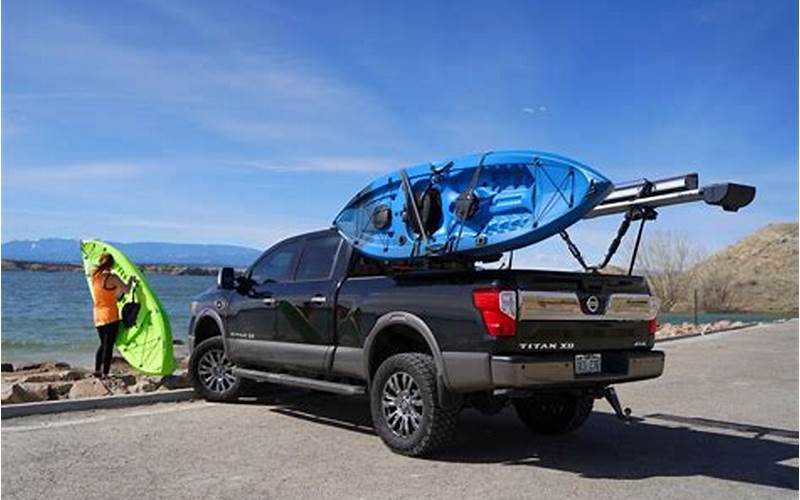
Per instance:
x=210, y=313
x=408, y=320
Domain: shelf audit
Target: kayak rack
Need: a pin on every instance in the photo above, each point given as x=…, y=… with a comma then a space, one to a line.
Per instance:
x=639, y=199
x=673, y=191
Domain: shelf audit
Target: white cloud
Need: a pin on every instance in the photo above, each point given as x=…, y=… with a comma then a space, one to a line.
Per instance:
x=264, y=96
x=332, y=165
x=118, y=225
x=71, y=173
x=535, y=110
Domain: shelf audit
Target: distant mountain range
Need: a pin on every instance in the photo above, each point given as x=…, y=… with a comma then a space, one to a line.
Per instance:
x=59, y=250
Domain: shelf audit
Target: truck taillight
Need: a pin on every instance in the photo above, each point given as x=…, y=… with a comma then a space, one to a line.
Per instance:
x=652, y=327
x=498, y=309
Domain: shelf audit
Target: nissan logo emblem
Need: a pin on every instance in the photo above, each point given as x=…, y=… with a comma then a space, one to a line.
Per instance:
x=592, y=304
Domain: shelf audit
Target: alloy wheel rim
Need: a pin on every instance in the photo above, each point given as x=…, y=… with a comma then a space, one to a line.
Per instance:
x=402, y=404
x=215, y=371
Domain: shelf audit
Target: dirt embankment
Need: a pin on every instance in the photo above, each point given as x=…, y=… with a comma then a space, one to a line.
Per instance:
x=763, y=269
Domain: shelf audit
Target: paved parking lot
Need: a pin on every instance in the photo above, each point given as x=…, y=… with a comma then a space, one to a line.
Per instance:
x=721, y=422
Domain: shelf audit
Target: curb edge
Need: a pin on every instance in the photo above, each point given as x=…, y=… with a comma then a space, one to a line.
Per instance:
x=102, y=402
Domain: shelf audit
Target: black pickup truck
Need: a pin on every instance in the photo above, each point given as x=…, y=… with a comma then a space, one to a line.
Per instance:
x=424, y=341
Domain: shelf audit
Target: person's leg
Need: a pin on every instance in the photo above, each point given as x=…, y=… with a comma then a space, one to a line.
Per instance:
x=98, y=357
x=110, y=338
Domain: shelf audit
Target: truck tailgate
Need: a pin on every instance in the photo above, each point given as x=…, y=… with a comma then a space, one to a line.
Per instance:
x=581, y=312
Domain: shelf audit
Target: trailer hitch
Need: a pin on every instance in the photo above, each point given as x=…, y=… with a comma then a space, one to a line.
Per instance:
x=611, y=396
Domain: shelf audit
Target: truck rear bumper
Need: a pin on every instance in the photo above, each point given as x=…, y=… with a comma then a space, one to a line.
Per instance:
x=467, y=371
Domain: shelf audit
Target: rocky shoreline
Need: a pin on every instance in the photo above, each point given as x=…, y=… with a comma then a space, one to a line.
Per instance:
x=50, y=381
x=669, y=330
x=171, y=269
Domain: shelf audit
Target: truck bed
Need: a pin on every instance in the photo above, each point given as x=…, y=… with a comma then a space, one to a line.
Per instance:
x=552, y=308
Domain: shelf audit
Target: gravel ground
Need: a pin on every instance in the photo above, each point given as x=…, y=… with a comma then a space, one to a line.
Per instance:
x=722, y=422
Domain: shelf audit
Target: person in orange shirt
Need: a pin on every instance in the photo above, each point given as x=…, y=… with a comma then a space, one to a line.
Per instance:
x=107, y=288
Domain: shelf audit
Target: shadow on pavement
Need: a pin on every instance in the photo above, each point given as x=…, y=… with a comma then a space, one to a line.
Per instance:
x=606, y=449
x=758, y=430
x=603, y=448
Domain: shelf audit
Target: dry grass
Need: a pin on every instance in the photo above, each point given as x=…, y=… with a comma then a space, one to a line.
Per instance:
x=757, y=274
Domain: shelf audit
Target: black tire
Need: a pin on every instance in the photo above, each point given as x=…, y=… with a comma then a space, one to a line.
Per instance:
x=554, y=414
x=210, y=372
x=434, y=424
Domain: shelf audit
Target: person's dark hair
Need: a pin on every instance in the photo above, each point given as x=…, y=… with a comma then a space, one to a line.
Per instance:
x=105, y=263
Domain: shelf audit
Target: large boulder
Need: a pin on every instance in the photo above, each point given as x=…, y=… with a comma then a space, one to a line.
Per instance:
x=30, y=367
x=6, y=367
x=146, y=383
x=52, y=376
x=18, y=393
x=179, y=381
x=59, y=390
x=40, y=390
x=47, y=366
x=74, y=374
x=42, y=377
x=88, y=388
x=118, y=385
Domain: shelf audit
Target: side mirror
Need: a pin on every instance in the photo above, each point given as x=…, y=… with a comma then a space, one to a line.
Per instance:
x=226, y=279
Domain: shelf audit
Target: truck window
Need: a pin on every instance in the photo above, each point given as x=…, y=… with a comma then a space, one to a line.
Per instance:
x=366, y=266
x=318, y=258
x=277, y=265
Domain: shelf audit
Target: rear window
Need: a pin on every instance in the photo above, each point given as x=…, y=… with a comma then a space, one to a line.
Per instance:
x=318, y=258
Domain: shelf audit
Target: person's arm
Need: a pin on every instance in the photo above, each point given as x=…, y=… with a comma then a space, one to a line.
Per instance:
x=113, y=282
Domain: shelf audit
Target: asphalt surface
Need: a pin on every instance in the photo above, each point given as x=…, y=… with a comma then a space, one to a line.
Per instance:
x=721, y=422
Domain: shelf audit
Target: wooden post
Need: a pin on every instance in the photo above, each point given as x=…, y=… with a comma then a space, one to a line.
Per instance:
x=695, y=307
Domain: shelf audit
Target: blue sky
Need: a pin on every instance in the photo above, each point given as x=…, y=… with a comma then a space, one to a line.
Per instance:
x=247, y=122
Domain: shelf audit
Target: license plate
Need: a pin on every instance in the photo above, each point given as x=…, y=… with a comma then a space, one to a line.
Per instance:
x=588, y=363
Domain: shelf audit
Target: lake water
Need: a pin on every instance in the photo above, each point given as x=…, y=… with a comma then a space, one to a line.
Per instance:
x=48, y=316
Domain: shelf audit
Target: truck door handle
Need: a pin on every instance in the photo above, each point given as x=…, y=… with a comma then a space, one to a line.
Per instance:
x=268, y=301
x=318, y=299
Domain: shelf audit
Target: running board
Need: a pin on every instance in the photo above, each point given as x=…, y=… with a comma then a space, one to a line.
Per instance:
x=304, y=382
x=673, y=191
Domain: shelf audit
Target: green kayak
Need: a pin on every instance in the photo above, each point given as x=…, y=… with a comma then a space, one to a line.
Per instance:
x=147, y=345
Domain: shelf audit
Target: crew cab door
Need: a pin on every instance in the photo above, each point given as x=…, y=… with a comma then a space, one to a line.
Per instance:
x=252, y=313
x=304, y=316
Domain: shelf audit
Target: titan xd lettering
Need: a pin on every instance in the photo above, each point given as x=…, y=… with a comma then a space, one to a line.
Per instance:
x=547, y=346
x=243, y=335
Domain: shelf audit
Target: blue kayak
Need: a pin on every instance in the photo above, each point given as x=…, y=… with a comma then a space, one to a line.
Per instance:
x=476, y=206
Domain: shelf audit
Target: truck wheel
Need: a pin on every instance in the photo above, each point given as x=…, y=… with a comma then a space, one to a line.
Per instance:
x=406, y=412
x=211, y=372
x=554, y=414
